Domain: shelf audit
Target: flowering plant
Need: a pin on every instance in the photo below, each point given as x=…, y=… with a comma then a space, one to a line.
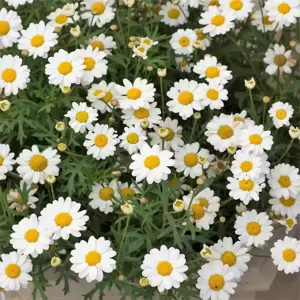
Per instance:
x=147, y=146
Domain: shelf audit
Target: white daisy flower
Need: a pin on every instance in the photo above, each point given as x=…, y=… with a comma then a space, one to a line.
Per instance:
x=203, y=40
x=282, y=11
x=285, y=207
x=30, y=236
x=173, y=140
x=6, y=160
x=13, y=75
x=132, y=139
x=278, y=59
x=216, y=281
x=140, y=51
x=147, y=42
x=212, y=71
x=151, y=163
x=10, y=25
x=281, y=113
x=182, y=41
x=183, y=64
x=16, y=3
x=34, y=165
x=64, y=218
x=102, y=43
x=286, y=255
x=208, y=3
x=240, y=8
x=216, y=21
x=97, y=12
x=288, y=223
x=262, y=21
x=150, y=113
x=241, y=118
x=135, y=95
x=60, y=18
x=173, y=15
x=95, y=66
x=38, y=39
x=191, y=3
x=255, y=139
x=245, y=189
x=93, y=258
x=14, y=271
x=223, y=132
x=101, y=141
x=284, y=181
x=253, y=229
x=185, y=98
x=164, y=268
x=81, y=117
x=232, y=254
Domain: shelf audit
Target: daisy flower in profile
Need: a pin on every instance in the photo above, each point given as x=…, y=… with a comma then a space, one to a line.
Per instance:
x=93, y=258
x=203, y=40
x=164, y=268
x=102, y=43
x=101, y=141
x=132, y=139
x=14, y=271
x=255, y=139
x=191, y=3
x=60, y=18
x=212, y=71
x=151, y=163
x=173, y=15
x=232, y=254
x=278, y=59
x=128, y=191
x=97, y=12
x=16, y=3
x=245, y=189
x=95, y=66
x=185, y=98
x=284, y=181
x=263, y=22
x=286, y=255
x=253, y=229
x=65, y=68
x=13, y=75
x=81, y=117
x=35, y=165
x=241, y=118
x=216, y=21
x=182, y=41
x=38, y=39
x=288, y=223
x=10, y=25
x=135, y=95
x=6, y=160
x=281, y=113
x=184, y=64
x=216, y=281
x=64, y=218
x=282, y=11
x=30, y=236
x=172, y=139
x=240, y=8
x=151, y=113
x=222, y=132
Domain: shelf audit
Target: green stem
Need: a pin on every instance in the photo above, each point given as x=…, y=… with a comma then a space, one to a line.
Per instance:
x=193, y=129
x=137, y=67
x=264, y=114
x=252, y=105
x=162, y=97
x=52, y=192
x=123, y=236
x=286, y=151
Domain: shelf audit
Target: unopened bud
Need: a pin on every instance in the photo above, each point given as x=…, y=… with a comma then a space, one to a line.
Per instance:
x=162, y=72
x=60, y=126
x=250, y=84
x=113, y=27
x=144, y=123
x=65, y=90
x=231, y=150
x=201, y=180
x=149, y=68
x=5, y=105
x=144, y=282
x=163, y=132
x=266, y=99
x=197, y=116
x=55, y=261
x=50, y=179
x=24, y=52
x=144, y=200
x=127, y=208
x=202, y=160
x=178, y=205
x=222, y=219
x=293, y=44
x=75, y=31
x=57, y=29
x=294, y=132
x=121, y=277
x=111, y=120
x=62, y=147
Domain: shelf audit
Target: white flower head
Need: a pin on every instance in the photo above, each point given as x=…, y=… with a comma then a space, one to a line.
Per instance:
x=183, y=40
x=173, y=15
x=281, y=113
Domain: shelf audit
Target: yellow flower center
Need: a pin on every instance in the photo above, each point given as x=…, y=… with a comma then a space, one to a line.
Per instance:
x=108, y=97
x=191, y=160
x=214, y=3
x=225, y=132
x=246, y=185
x=253, y=228
x=236, y=5
x=212, y=72
x=184, y=41
x=185, y=98
x=246, y=166
x=141, y=113
x=290, y=223
x=134, y=94
x=218, y=20
x=128, y=193
x=238, y=119
x=37, y=41
x=99, y=45
x=183, y=63
x=65, y=68
x=12, y=271
x=289, y=255
x=203, y=202
x=174, y=13
x=170, y=135
x=63, y=219
x=198, y=211
x=38, y=163
x=255, y=139
x=101, y=140
x=19, y=198
x=82, y=117
x=98, y=8
x=98, y=92
x=89, y=63
x=284, y=181
x=267, y=20
x=31, y=235
x=228, y=258
x=284, y=8
x=281, y=114
x=287, y=202
x=132, y=138
x=280, y=60
x=216, y=282
x=9, y=75
x=200, y=35
x=93, y=258
x=61, y=19
x=4, y=28
x=164, y=268
x=212, y=94
x=1, y=160
x=152, y=162
x=106, y=193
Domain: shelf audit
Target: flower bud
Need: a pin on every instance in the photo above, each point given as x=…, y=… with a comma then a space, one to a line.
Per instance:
x=62, y=147
x=231, y=150
x=178, y=205
x=57, y=29
x=162, y=72
x=293, y=44
x=266, y=99
x=294, y=132
x=222, y=219
x=127, y=208
x=55, y=261
x=144, y=282
x=121, y=277
x=65, y=90
x=206, y=252
x=129, y=3
x=197, y=116
x=113, y=27
x=149, y=68
x=111, y=120
x=202, y=160
x=5, y=105
x=131, y=45
x=24, y=52
x=75, y=31
x=50, y=179
x=163, y=132
x=144, y=200
x=116, y=173
x=114, y=102
x=250, y=84
x=60, y=126
x=201, y=180
x=132, y=39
